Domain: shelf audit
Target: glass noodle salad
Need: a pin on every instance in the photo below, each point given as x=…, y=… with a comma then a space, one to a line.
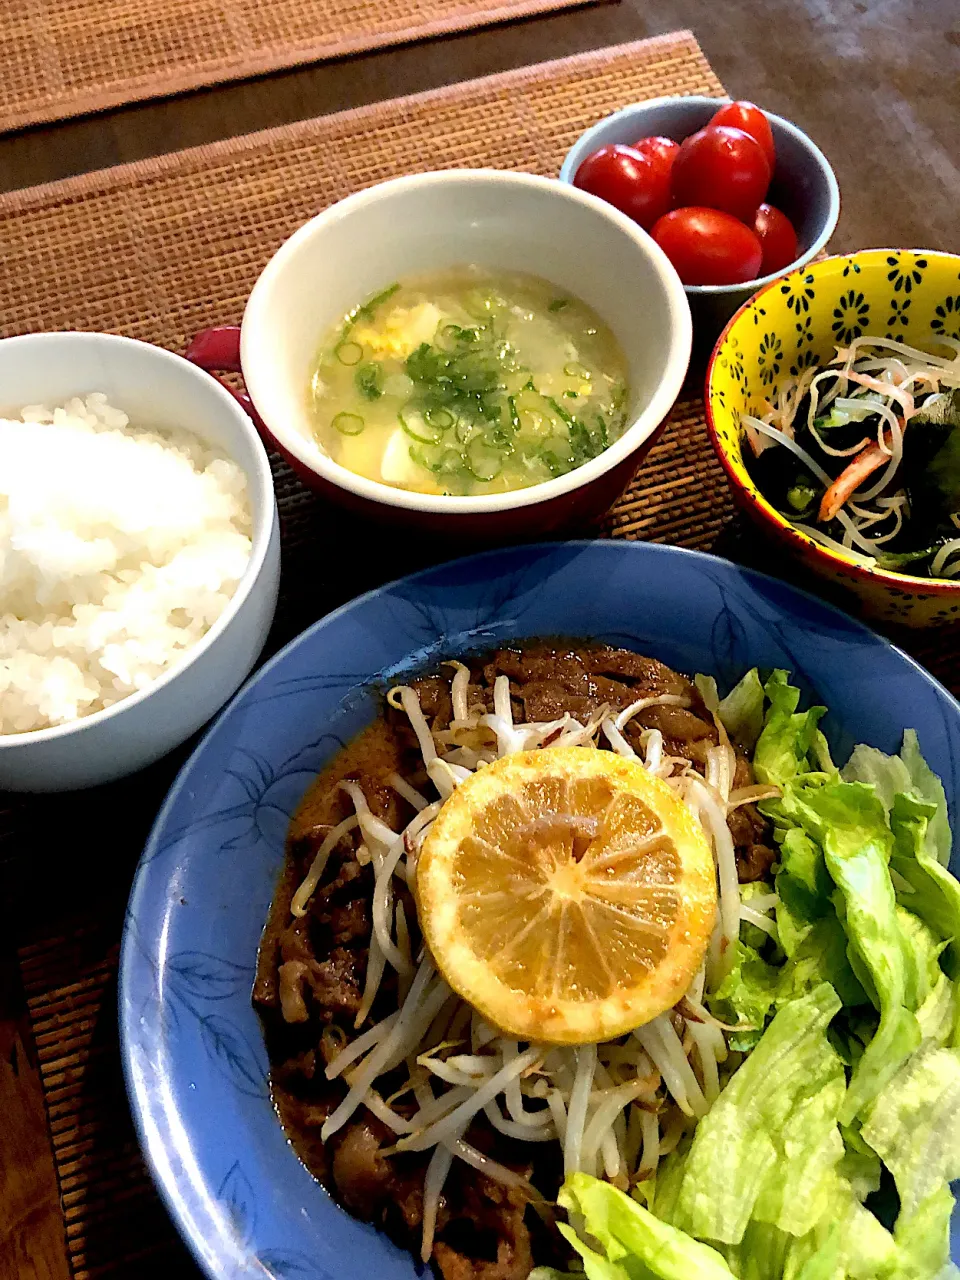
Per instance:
x=864, y=456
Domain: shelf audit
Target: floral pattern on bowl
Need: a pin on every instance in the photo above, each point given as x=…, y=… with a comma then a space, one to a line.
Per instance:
x=905, y=294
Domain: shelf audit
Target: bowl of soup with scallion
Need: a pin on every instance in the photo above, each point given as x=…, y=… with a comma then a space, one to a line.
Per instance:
x=468, y=381
x=486, y=352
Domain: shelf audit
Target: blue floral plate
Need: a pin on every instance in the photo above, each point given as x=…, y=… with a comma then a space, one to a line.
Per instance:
x=193, y=1052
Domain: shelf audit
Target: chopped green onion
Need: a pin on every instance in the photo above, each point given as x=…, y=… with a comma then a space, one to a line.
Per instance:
x=348, y=352
x=367, y=309
x=416, y=425
x=556, y=465
x=369, y=380
x=450, y=463
x=563, y=414
x=514, y=416
x=557, y=304
x=441, y=418
x=348, y=424
x=479, y=305
x=574, y=370
x=483, y=462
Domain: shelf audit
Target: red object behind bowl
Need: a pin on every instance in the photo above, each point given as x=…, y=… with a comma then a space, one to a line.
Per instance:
x=217, y=350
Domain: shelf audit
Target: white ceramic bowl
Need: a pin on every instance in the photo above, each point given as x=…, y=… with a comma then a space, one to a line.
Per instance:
x=500, y=220
x=157, y=389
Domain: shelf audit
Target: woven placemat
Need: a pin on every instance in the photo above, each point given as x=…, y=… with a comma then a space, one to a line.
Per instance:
x=62, y=58
x=159, y=250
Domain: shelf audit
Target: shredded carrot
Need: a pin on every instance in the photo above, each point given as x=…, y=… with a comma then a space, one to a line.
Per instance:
x=850, y=479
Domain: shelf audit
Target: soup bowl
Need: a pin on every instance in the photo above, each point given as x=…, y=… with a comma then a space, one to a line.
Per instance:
x=911, y=295
x=497, y=220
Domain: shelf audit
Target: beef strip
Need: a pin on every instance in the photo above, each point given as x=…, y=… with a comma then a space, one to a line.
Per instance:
x=482, y=1227
x=754, y=862
x=337, y=982
x=750, y=829
x=365, y=1178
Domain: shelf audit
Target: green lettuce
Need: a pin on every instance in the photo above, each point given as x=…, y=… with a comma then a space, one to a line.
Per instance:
x=907, y=774
x=939, y=1013
x=922, y=949
x=923, y=1239
x=914, y=1124
x=630, y=1235
x=888, y=775
x=789, y=736
x=746, y=996
x=849, y=823
x=928, y=787
x=741, y=711
x=934, y=894
x=803, y=886
x=821, y=956
x=753, y=1133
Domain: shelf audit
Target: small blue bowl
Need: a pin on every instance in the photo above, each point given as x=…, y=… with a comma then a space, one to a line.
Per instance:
x=804, y=187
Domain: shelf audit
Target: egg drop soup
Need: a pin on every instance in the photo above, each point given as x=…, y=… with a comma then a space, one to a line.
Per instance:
x=468, y=382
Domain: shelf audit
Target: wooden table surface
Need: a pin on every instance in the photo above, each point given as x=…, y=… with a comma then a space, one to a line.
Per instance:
x=875, y=82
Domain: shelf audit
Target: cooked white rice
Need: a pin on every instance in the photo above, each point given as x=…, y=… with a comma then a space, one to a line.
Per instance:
x=119, y=548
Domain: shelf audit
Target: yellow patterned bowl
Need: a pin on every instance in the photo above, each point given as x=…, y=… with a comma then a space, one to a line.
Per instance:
x=795, y=322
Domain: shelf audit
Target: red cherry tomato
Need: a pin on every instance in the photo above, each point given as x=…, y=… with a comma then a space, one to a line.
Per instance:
x=708, y=246
x=662, y=151
x=632, y=182
x=778, y=240
x=721, y=168
x=745, y=116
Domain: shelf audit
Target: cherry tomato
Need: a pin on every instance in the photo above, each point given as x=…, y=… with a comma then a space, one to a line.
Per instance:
x=629, y=180
x=721, y=168
x=745, y=116
x=778, y=240
x=662, y=151
x=708, y=246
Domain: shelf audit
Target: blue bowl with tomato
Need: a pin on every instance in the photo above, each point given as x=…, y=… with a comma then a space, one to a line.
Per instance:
x=800, y=184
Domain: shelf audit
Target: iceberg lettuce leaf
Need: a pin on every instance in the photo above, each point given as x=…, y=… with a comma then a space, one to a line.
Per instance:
x=746, y=996
x=784, y=746
x=928, y=787
x=632, y=1238
x=741, y=711
x=934, y=893
x=914, y=1124
x=849, y=823
x=743, y=1139
x=923, y=1239
x=821, y=956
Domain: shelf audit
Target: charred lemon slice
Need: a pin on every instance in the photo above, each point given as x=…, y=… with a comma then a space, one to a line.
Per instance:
x=567, y=894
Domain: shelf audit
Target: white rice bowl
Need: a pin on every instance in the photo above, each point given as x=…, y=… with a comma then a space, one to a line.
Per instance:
x=120, y=546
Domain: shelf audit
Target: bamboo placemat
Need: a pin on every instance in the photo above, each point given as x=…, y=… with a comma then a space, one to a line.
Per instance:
x=159, y=250
x=61, y=58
